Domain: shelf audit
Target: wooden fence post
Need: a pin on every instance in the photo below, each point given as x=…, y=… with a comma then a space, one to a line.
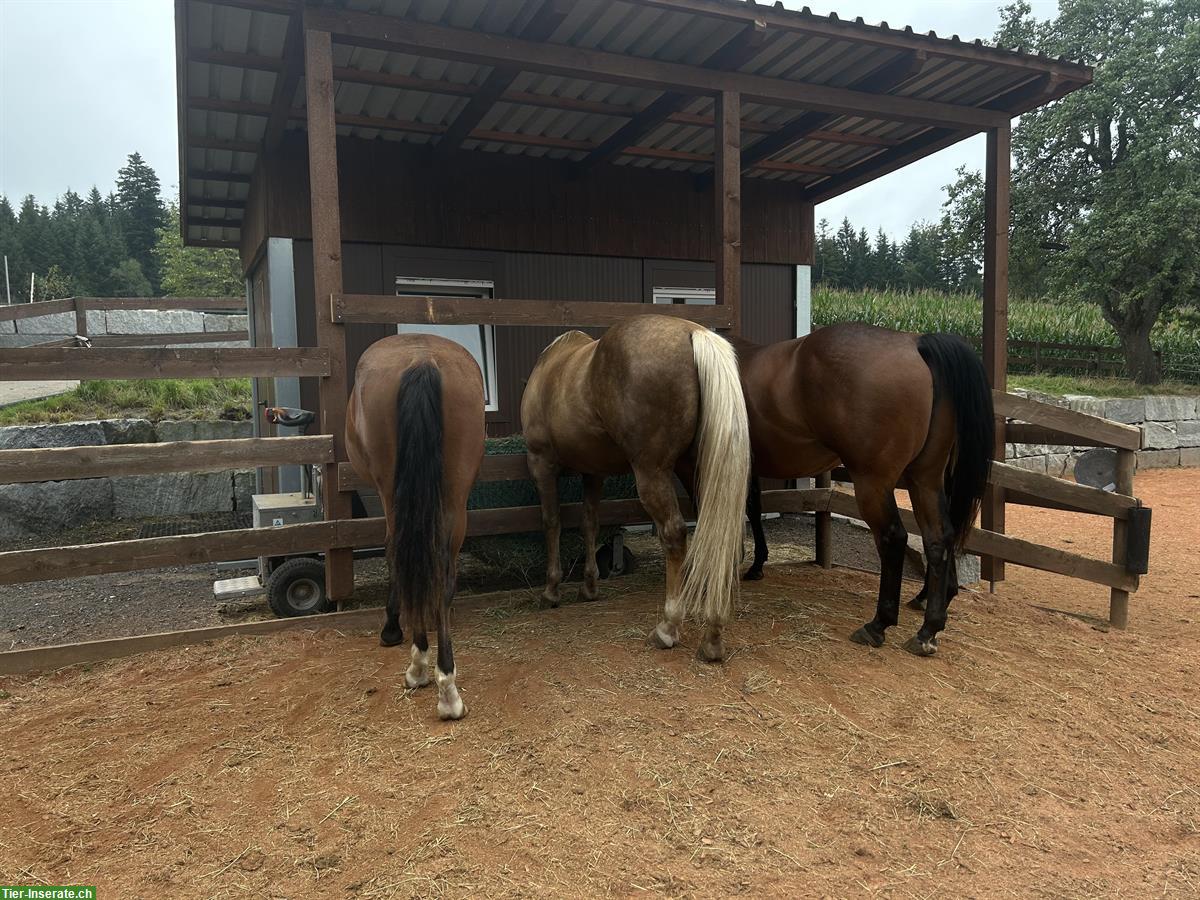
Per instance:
x=327, y=281
x=1118, y=602
x=81, y=327
x=995, y=313
x=728, y=191
x=824, y=538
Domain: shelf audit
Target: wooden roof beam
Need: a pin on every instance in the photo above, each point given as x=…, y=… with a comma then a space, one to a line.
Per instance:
x=884, y=79
x=215, y=204
x=286, y=81
x=539, y=28
x=228, y=177
x=1035, y=90
x=833, y=28
x=391, y=33
x=732, y=54
x=235, y=60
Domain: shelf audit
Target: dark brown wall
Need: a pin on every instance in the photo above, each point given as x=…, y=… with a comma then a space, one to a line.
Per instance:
x=398, y=194
x=768, y=298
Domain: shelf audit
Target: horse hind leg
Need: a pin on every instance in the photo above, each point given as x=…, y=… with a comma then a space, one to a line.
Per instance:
x=941, y=569
x=754, y=514
x=545, y=477
x=417, y=675
x=877, y=504
x=450, y=703
x=593, y=490
x=657, y=495
x=393, y=633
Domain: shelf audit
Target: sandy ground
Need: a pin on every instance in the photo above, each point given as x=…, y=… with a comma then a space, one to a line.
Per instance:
x=1035, y=756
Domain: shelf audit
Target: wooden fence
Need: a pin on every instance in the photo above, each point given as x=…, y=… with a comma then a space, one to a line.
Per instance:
x=81, y=305
x=1033, y=423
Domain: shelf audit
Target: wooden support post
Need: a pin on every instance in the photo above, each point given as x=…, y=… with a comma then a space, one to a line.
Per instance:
x=81, y=317
x=995, y=313
x=729, y=204
x=1118, y=601
x=824, y=539
x=327, y=281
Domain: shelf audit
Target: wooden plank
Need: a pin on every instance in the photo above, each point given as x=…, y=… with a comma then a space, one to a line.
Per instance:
x=234, y=60
x=210, y=175
x=1118, y=601
x=888, y=161
x=205, y=142
x=385, y=308
x=168, y=339
x=1014, y=550
x=506, y=467
x=81, y=325
x=72, y=463
x=74, y=364
x=728, y=200
x=15, y=311
x=1073, y=496
x=210, y=304
x=1068, y=422
x=45, y=659
x=1020, y=433
x=327, y=281
x=391, y=33
x=284, y=93
x=995, y=315
x=45, y=564
x=540, y=27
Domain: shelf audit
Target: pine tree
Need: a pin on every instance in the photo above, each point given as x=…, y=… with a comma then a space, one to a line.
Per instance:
x=141, y=214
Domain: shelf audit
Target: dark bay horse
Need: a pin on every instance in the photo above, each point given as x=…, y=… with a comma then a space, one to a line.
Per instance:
x=657, y=395
x=414, y=429
x=898, y=410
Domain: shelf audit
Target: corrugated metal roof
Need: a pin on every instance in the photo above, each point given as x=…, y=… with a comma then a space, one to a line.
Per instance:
x=234, y=54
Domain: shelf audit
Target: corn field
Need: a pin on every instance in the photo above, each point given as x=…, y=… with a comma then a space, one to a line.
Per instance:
x=1060, y=322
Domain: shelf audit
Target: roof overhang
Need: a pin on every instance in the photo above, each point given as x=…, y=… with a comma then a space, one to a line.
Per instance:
x=826, y=104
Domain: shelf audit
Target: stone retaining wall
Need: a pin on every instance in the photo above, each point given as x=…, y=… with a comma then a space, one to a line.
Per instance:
x=1171, y=426
x=31, y=510
x=59, y=326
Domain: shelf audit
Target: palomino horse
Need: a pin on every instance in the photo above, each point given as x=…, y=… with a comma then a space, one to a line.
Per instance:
x=414, y=429
x=898, y=410
x=656, y=395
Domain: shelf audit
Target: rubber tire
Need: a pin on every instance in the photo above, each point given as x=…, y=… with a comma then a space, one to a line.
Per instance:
x=604, y=560
x=297, y=588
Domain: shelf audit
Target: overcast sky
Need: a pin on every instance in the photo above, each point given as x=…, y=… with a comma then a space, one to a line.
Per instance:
x=83, y=83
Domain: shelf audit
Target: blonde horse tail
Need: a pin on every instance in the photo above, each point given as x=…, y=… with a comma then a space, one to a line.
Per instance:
x=710, y=568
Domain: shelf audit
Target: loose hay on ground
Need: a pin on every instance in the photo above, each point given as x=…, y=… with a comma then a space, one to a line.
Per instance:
x=1035, y=756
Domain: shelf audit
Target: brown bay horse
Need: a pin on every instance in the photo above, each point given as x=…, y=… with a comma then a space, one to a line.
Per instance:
x=414, y=430
x=656, y=395
x=897, y=410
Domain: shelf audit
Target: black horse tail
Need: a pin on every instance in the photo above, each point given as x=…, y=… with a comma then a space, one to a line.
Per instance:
x=959, y=376
x=418, y=541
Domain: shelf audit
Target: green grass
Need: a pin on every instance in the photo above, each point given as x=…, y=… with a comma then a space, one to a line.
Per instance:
x=154, y=400
x=1059, y=322
x=1060, y=385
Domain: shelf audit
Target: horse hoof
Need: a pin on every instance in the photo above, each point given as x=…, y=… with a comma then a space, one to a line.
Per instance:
x=753, y=575
x=917, y=603
x=867, y=637
x=584, y=597
x=453, y=710
x=417, y=679
x=551, y=600
x=391, y=638
x=918, y=647
x=711, y=652
x=660, y=640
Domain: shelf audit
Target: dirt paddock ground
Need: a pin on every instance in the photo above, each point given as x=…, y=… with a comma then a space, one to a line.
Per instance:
x=1036, y=756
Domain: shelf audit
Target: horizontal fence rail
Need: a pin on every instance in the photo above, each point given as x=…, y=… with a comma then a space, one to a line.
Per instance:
x=74, y=364
x=73, y=463
x=389, y=309
x=168, y=339
x=16, y=311
x=1068, y=421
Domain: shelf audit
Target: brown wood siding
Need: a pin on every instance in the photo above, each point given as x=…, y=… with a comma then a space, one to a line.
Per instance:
x=398, y=194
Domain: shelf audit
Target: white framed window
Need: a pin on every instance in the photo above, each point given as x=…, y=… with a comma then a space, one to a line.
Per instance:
x=688, y=296
x=480, y=340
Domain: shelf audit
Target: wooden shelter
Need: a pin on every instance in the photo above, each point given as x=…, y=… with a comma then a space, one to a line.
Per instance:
x=517, y=167
x=506, y=153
